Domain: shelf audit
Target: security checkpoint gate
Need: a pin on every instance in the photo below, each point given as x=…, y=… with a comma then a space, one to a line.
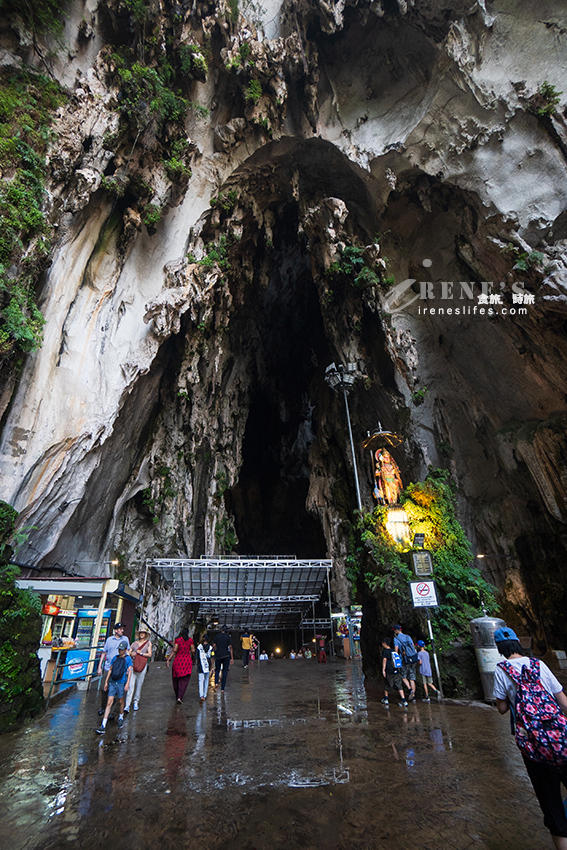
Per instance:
x=263, y=593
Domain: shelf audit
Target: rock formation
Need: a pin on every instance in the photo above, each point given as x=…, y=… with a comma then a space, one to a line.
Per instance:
x=239, y=196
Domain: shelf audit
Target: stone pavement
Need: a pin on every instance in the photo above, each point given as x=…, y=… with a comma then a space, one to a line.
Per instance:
x=294, y=755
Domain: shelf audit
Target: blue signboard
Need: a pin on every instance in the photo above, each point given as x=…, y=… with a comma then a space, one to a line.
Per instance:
x=77, y=664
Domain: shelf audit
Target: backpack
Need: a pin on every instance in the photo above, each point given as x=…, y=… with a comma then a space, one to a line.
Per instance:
x=540, y=725
x=396, y=660
x=408, y=649
x=118, y=668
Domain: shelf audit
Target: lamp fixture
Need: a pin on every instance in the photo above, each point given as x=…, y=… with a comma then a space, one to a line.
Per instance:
x=343, y=378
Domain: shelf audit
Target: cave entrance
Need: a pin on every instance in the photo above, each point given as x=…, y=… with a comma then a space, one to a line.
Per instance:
x=268, y=502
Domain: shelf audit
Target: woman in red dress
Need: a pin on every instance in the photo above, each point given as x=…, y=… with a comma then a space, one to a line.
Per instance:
x=182, y=654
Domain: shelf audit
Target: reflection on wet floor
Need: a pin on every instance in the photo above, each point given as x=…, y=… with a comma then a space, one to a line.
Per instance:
x=294, y=755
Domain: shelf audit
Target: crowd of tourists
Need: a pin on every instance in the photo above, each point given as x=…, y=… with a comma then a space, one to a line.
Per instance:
x=124, y=667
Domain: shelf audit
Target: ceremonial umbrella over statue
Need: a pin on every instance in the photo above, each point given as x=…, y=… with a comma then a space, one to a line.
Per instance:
x=380, y=439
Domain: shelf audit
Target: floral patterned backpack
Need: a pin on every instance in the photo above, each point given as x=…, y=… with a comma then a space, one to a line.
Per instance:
x=540, y=725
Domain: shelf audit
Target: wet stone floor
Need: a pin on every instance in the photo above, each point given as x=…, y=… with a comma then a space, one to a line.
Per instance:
x=293, y=755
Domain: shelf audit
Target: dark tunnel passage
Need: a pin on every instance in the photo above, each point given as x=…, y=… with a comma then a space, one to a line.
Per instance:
x=268, y=501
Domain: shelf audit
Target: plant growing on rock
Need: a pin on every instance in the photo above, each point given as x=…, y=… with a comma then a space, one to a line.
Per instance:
x=353, y=266
x=253, y=92
x=192, y=62
x=145, y=93
x=176, y=165
x=225, y=201
x=225, y=535
x=545, y=101
x=233, y=6
x=40, y=17
x=151, y=216
x=418, y=397
x=216, y=254
x=525, y=260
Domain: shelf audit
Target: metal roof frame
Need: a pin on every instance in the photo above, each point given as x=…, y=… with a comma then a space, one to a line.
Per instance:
x=260, y=593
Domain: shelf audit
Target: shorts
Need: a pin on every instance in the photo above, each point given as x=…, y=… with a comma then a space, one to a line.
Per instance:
x=394, y=681
x=428, y=680
x=116, y=689
x=408, y=672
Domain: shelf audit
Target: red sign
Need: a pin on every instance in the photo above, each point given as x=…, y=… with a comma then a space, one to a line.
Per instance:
x=50, y=610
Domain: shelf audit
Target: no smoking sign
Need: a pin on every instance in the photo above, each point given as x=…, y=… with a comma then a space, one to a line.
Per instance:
x=424, y=594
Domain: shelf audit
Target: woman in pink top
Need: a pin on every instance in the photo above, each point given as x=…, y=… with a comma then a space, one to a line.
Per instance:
x=182, y=654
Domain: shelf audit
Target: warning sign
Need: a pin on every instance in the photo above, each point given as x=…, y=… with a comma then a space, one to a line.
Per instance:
x=424, y=594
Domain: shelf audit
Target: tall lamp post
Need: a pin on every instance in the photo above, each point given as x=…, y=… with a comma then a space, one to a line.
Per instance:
x=341, y=378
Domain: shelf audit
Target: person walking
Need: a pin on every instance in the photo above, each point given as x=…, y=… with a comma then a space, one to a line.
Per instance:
x=391, y=673
x=224, y=657
x=424, y=662
x=117, y=684
x=405, y=646
x=246, y=641
x=109, y=653
x=528, y=689
x=182, y=655
x=204, y=652
x=140, y=652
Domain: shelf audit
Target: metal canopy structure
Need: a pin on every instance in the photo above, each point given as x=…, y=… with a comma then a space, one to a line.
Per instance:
x=261, y=593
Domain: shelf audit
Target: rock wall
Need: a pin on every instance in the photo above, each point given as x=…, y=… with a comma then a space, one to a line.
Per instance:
x=199, y=286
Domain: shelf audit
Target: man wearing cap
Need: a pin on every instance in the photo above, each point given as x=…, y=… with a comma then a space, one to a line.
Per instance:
x=403, y=644
x=117, y=684
x=546, y=776
x=109, y=653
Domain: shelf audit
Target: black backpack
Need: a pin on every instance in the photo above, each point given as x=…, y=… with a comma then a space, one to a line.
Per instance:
x=118, y=668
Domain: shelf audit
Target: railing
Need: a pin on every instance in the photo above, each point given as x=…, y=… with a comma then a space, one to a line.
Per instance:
x=58, y=666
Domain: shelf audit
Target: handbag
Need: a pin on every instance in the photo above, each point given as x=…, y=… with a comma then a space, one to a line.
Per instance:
x=140, y=661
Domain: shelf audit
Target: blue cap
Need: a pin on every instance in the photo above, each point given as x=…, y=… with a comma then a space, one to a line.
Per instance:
x=505, y=633
x=421, y=643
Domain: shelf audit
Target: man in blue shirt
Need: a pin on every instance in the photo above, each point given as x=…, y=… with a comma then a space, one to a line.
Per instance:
x=117, y=683
x=405, y=646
